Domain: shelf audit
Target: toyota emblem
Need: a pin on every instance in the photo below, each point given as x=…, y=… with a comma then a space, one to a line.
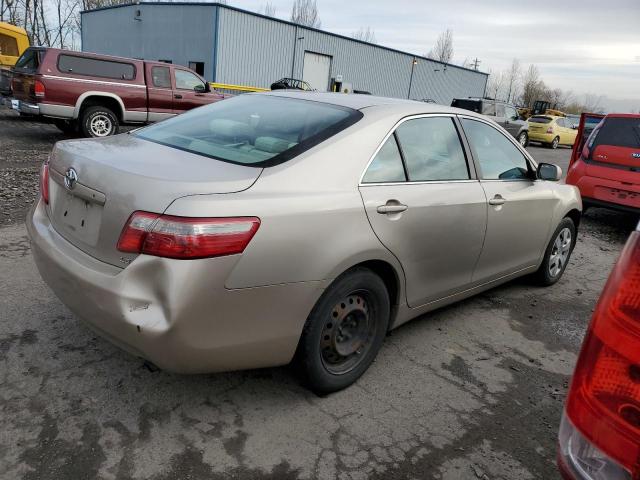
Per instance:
x=70, y=178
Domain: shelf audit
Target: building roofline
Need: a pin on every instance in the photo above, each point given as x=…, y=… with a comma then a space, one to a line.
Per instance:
x=255, y=14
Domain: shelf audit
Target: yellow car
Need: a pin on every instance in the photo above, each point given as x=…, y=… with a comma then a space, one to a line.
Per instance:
x=13, y=41
x=551, y=130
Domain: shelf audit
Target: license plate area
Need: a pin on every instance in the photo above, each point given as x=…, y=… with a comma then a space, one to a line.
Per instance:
x=616, y=195
x=75, y=217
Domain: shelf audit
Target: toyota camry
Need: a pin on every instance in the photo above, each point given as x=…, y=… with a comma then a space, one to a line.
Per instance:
x=292, y=226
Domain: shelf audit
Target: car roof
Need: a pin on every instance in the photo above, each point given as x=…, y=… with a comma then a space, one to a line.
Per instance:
x=359, y=101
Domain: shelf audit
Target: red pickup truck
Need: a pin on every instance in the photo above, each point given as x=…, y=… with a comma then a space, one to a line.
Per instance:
x=96, y=93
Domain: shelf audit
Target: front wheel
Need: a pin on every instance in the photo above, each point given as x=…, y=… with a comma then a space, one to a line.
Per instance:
x=523, y=139
x=98, y=121
x=557, y=254
x=344, y=331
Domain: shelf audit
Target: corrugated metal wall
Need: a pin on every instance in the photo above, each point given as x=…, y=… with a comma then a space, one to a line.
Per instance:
x=255, y=50
x=178, y=33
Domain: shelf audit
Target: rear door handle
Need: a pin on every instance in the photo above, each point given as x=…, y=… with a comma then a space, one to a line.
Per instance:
x=177, y=96
x=497, y=200
x=394, y=208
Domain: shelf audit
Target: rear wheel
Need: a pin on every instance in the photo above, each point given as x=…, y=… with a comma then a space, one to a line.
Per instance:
x=554, y=144
x=344, y=331
x=98, y=121
x=523, y=139
x=557, y=254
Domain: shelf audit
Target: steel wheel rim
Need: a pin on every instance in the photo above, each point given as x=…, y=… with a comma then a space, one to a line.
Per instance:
x=560, y=252
x=101, y=125
x=555, y=143
x=348, y=333
x=523, y=139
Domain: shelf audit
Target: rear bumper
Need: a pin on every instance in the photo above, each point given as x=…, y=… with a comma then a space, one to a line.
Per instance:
x=49, y=110
x=541, y=137
x=176, y=314
x=604, y=191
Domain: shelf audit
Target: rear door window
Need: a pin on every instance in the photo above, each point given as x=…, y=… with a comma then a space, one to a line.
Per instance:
x=498, y=157
x=432, y=150
x=387, y=165
x=255, y=130
x=96, y=67
x=161, y=77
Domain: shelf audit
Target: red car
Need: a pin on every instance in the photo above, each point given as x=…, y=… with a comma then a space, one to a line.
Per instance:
x=96, y=93
x=605, y=163
x=600, y=431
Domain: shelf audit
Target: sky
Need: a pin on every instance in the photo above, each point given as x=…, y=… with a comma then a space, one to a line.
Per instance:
x=586, y=46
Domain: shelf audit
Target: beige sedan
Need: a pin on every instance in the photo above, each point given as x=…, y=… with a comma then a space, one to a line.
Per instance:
x=292, y=226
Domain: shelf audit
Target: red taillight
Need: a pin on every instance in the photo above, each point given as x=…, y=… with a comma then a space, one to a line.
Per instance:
x=185, y=237
x=550, y=130
x=604, y=400
x=44, y=182
x=38, y=89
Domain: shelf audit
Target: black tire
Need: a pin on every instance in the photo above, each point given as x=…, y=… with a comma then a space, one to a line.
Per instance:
x=544, y=274
x=358, y=297
x=68, y=127
x=523, y=139
x=98, y=121
x=554, y=144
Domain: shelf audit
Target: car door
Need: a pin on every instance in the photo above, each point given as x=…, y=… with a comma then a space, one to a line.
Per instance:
x=160, y=92
x=519, y=206
x=189, y=91
x=426, y=206
x=513, y=124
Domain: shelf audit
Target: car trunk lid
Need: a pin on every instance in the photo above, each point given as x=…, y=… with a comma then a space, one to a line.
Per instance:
x=95, y=185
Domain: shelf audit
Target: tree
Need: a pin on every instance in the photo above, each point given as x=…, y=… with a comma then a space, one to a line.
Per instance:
x=532, y=86
x=305, y=12
x=443, y=49
x=365, y=34
x=268, y=9
x=495, y=85
x=513, y=76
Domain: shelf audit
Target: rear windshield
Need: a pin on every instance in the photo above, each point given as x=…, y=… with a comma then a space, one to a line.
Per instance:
x=254, y=130
x=29, y=61
x=536, y=119
x=473, y=105
x=621, y=132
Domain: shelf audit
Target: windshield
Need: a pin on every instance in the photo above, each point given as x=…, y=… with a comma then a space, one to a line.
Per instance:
x=254, y=130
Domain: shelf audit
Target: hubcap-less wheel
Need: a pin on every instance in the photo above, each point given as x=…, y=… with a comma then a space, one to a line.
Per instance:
x=555, y=143
x=560, y=252
x=523, y=139
x=101, y=126
x=347, y=334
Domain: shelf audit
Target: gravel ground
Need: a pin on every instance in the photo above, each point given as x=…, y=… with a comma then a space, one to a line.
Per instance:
x=472, y=391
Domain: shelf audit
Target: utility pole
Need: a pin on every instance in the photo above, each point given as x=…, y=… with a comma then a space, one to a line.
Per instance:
x=476, y=63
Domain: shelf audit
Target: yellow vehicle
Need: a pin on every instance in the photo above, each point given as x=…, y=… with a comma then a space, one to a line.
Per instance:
x=551, y=130
x=13, y=41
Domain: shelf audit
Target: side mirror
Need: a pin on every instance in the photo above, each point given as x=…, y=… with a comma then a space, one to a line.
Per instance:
x=200, y=88
x=549, y=171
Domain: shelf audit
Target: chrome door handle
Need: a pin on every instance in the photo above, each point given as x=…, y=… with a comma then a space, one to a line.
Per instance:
x=392, y=208
x=497, y=200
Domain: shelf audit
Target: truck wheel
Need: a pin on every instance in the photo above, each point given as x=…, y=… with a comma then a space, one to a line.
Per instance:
x=98, y=121
x=68, y=127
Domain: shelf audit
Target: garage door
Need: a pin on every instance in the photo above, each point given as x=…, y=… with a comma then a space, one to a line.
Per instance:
x=316, y=70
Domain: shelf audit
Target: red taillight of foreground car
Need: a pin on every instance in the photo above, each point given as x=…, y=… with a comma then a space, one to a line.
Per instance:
x=603, y=405
x=38, y=89
x=44, y=182
x=185, y=237
x=550, y=130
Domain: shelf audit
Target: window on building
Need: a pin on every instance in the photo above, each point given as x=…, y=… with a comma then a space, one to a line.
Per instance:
x=8, y=45
x=197, y=67
x=96, y=67
x=161, y=77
